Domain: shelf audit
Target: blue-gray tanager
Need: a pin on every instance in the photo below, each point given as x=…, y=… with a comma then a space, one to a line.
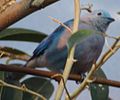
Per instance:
x=52, y=52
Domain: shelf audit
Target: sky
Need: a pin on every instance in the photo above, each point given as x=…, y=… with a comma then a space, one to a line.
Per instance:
x=63, y=10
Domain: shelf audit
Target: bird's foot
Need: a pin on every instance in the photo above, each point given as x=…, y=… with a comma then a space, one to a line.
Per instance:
x=82, y=79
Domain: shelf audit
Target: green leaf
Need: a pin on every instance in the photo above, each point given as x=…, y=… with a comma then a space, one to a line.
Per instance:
x=39, y=85
x=13, y=51
x=10, y=93
x=20, y=34
x=1, y=75
x=99, y=91
x=79, y=36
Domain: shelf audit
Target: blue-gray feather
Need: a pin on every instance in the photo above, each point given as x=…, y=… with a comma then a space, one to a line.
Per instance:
x=48, y=41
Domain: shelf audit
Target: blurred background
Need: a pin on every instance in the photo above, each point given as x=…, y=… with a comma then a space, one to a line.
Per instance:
x=63, y=11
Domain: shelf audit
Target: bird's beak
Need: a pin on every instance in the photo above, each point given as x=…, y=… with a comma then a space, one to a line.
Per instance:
x=111, y=20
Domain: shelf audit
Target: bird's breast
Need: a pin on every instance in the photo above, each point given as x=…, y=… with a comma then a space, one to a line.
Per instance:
x=87, y=52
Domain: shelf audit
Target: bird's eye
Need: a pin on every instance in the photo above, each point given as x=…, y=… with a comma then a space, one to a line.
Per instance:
x=99, y=14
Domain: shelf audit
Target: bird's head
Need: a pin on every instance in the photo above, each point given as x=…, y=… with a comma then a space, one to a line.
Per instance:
x=100, y=19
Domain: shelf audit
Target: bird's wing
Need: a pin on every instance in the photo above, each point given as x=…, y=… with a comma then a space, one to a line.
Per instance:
x=48, y=41
x=41, y=47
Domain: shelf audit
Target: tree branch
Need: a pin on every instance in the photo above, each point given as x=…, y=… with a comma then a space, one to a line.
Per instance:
x=18, y=11
x=48, y=74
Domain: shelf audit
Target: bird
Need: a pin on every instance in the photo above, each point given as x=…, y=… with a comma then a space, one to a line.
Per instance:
x=52, y=52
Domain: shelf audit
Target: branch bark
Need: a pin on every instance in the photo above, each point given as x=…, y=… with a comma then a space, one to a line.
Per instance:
x=18, y=11
x=48, y=74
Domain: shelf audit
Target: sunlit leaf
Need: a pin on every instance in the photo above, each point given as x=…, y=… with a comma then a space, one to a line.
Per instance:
x=20, y=34
x=40, y=85
x=99, y=91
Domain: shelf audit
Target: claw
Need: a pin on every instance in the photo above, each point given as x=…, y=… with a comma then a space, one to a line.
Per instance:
x=82, y=78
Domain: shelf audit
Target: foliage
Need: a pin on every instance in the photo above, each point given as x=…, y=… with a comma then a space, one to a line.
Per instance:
x=20, y=34
x=99, y=91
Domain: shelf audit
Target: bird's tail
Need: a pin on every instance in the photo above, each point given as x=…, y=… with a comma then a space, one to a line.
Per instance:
x=31, y=63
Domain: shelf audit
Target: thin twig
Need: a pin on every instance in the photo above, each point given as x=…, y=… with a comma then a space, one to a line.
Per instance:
x=70, y=59
x=1, y=54
x=108, y=46
x=22, y=88
x=77, y=12
x=112, y=37
x=60, y=75
x=87, y=7
x=66, y=73
x=59, y=22
x=108, y=54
